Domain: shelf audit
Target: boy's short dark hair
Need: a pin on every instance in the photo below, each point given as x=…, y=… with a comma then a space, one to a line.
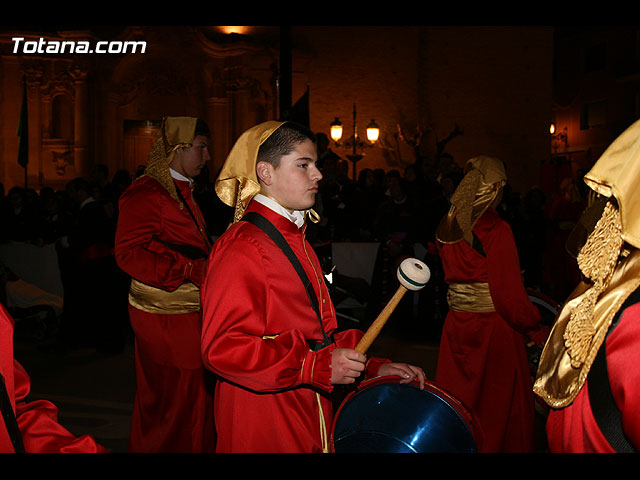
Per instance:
x=202, y=129
x=283, y=141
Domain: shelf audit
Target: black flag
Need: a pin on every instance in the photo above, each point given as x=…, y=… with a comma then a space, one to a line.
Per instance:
x=23, y=130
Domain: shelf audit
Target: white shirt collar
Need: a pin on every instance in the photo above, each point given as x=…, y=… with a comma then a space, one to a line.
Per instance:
x=297, y=216
x=179, y=176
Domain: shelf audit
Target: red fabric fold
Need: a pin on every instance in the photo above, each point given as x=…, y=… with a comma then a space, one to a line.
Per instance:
x=37, y=420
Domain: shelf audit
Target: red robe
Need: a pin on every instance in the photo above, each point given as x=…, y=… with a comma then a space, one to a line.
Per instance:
x=257, y=319
x=483, y=360
x=573, y=429
x=37, y=420
x=173, y=408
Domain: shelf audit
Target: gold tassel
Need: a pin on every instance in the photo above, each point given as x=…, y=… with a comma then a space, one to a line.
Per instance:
x=313, y=216
x=239, y=210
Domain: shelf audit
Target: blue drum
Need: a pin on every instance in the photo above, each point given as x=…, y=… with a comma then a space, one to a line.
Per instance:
x=385, y=416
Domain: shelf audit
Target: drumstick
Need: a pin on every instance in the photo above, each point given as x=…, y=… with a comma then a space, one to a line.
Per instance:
x=413, y=275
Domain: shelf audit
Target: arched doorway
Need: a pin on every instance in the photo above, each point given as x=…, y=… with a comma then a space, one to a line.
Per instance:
x=138, y=138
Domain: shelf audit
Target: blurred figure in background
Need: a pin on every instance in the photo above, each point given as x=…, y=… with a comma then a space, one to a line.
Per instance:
x=483, y=359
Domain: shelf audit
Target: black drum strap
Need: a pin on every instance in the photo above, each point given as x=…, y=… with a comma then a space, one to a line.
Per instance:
x=603, y=406
x=10, y=418
x=275, y=235
x=205, y=234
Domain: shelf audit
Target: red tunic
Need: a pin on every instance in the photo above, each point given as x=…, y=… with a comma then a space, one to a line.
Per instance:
x=257, y=319
x=37, y=420
x=482, y=360
x=573, y=429
x=146, y=211
x=173, y=408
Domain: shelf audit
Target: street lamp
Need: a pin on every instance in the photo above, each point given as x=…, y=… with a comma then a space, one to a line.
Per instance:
x=558, y=137
x=353, y=142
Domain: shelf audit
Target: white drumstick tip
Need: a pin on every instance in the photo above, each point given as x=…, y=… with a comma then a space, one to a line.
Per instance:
x=413, y=274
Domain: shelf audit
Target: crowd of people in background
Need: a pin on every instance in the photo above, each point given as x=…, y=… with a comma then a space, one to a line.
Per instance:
x=398, y=208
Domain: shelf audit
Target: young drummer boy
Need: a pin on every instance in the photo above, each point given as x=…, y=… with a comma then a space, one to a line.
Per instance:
x=276, y=357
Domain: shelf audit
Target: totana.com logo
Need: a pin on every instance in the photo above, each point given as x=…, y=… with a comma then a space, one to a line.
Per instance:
x=20, y=45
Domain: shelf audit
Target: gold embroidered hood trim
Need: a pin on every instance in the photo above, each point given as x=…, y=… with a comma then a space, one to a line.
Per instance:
x=485, y=176
x=176, y=132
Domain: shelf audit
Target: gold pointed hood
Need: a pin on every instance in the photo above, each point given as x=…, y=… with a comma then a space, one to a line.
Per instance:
x=238, y=183
x=175, y=132
x=609, y=260
x=484, y=178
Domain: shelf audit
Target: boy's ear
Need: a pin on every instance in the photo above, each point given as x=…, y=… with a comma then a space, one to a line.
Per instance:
x=263, y=171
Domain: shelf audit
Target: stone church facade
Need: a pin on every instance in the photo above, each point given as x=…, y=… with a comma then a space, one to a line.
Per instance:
x=422, y=85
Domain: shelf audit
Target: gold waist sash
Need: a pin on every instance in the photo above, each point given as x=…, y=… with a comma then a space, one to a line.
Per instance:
x=184, y=299
x=470, y=297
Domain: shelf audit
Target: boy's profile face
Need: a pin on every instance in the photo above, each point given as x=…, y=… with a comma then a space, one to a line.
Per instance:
x=189, y=161
x=294, y=183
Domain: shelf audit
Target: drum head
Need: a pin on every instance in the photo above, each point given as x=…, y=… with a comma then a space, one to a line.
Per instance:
x=384, y=416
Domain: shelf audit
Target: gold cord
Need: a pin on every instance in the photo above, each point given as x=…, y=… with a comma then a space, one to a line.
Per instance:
x=323, y=426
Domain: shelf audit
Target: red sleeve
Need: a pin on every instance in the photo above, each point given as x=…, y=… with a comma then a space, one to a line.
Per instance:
x=38, y=424
x=234, y=301
x=505, y=280
x=141, y=217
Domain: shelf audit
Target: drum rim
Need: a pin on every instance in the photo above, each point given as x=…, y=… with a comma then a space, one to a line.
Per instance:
x=544, y=297
x=429, y=386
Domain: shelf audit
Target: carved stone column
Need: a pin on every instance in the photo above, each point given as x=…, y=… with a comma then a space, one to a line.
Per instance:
x=112, y=144
x=238, y=89
x=81, y=120
x=33, y=74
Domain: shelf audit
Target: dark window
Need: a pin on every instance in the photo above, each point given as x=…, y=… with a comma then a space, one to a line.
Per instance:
x=595, y=58
x=62, y=117
x=594, y=114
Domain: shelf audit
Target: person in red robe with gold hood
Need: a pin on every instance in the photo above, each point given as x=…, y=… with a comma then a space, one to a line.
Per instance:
x=30, y=426
x=588, y=372
x=483, y=359
x=161, y=242
x=277, y=360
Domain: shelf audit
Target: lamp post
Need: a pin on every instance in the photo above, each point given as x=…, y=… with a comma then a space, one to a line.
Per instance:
x=353, y=142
